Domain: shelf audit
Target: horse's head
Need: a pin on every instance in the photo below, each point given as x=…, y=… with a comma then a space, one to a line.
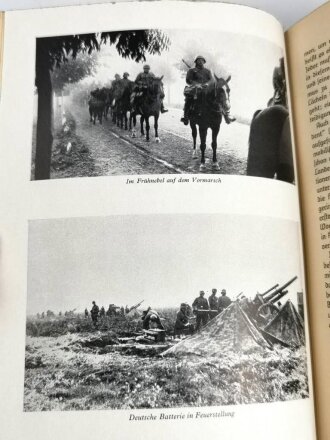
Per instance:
x=222, y=92
x=156, y=86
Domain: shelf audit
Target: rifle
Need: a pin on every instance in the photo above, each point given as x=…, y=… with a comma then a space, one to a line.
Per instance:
x=186, y=64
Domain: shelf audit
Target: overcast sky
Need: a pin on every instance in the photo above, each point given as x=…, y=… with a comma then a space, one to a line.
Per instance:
x=163, y=259
x=248, y=59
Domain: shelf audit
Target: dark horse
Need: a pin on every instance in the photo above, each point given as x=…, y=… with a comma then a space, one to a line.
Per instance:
x=124, y=104
x=96, y=105
x=149, y=105
x=270, y=149
x=211, y=101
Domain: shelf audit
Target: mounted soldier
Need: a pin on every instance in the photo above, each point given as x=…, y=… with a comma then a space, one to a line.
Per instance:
x=279, y=85
x=142, y=81
x=125, y=79
x=197, y=79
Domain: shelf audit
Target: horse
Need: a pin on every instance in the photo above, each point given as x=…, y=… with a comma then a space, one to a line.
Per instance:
x=96, y=105
x=270, y=149
x=124, y=104
x=213, y=99
x=149, y=105
x=108, y=100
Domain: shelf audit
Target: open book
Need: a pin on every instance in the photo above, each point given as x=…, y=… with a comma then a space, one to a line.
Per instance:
x=164, y=233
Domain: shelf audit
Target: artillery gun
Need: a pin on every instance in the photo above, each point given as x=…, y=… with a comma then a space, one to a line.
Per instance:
x=264, y=305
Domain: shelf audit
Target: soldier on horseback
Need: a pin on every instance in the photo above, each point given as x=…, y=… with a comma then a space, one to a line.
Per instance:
x=197, y=79
x=142, y=81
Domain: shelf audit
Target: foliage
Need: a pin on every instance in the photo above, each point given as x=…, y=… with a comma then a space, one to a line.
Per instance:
x=129, y=44
x=73, y=70
x=59, y=376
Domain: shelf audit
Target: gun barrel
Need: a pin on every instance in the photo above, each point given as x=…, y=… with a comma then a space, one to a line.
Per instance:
x=278, y=297
x=280, y=289
x=269, y=290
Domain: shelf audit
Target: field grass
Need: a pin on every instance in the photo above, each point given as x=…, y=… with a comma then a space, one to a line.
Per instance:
x=62, y=373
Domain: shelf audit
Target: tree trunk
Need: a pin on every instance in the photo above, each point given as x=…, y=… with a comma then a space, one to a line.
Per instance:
x=45, y=112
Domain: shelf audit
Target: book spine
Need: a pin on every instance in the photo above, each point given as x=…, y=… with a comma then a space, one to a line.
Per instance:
x=2, y=36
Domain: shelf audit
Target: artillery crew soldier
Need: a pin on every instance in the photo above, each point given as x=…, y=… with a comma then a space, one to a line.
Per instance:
x=224, y=301
x=182, y=324
x=94, y=313
x=102, y=312
x=199, y=305
x=142, y=81
x=213, y=303
x=151, y=319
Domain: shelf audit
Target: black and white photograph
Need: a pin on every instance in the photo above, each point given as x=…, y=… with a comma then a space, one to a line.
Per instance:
x=163, y=311
x=160, y=101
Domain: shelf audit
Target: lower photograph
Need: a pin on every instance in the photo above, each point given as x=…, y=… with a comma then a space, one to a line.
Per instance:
x=163, y=311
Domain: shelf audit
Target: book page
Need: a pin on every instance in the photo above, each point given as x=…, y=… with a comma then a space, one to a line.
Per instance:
x=2, y=30
x=308, y=45
x=152, y=269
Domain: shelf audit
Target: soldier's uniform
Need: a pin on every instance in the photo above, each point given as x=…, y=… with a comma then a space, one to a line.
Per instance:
x=182, y=321
x=142, y=81
x=95, y=313
x=213, y=303
x=197, y=77
x=199, y=304
x=151, y=319
x=223, y=301
x=125, y=79
x=279, y=85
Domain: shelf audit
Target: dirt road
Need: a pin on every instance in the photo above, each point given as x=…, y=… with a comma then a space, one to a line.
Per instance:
x=115, y=152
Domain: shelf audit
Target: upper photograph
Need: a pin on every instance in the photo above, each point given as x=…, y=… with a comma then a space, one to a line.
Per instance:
x=160, y=101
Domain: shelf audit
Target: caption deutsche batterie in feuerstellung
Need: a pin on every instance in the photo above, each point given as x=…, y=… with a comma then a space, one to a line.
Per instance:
x=172, y=180
x=181, y=416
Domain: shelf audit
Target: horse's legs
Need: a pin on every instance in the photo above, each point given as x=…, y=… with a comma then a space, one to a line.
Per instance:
x=202, y=135
x=215, y=131
x=156, y=128
x=126, y=121
x=194, y=136
x=141, y=125
x=147, y=128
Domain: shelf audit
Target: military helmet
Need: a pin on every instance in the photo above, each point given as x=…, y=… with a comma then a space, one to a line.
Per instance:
x=146, y=66
x=200, y=57
x=126, y=74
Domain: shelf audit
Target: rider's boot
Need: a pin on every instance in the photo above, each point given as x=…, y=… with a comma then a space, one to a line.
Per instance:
x=163, y=109
x=185, y=118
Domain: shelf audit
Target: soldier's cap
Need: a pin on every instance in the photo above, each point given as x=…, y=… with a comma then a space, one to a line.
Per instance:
x=146, y=66
x=126, y=74
x=223, y=291
x=183, y=305
x=200, y=57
